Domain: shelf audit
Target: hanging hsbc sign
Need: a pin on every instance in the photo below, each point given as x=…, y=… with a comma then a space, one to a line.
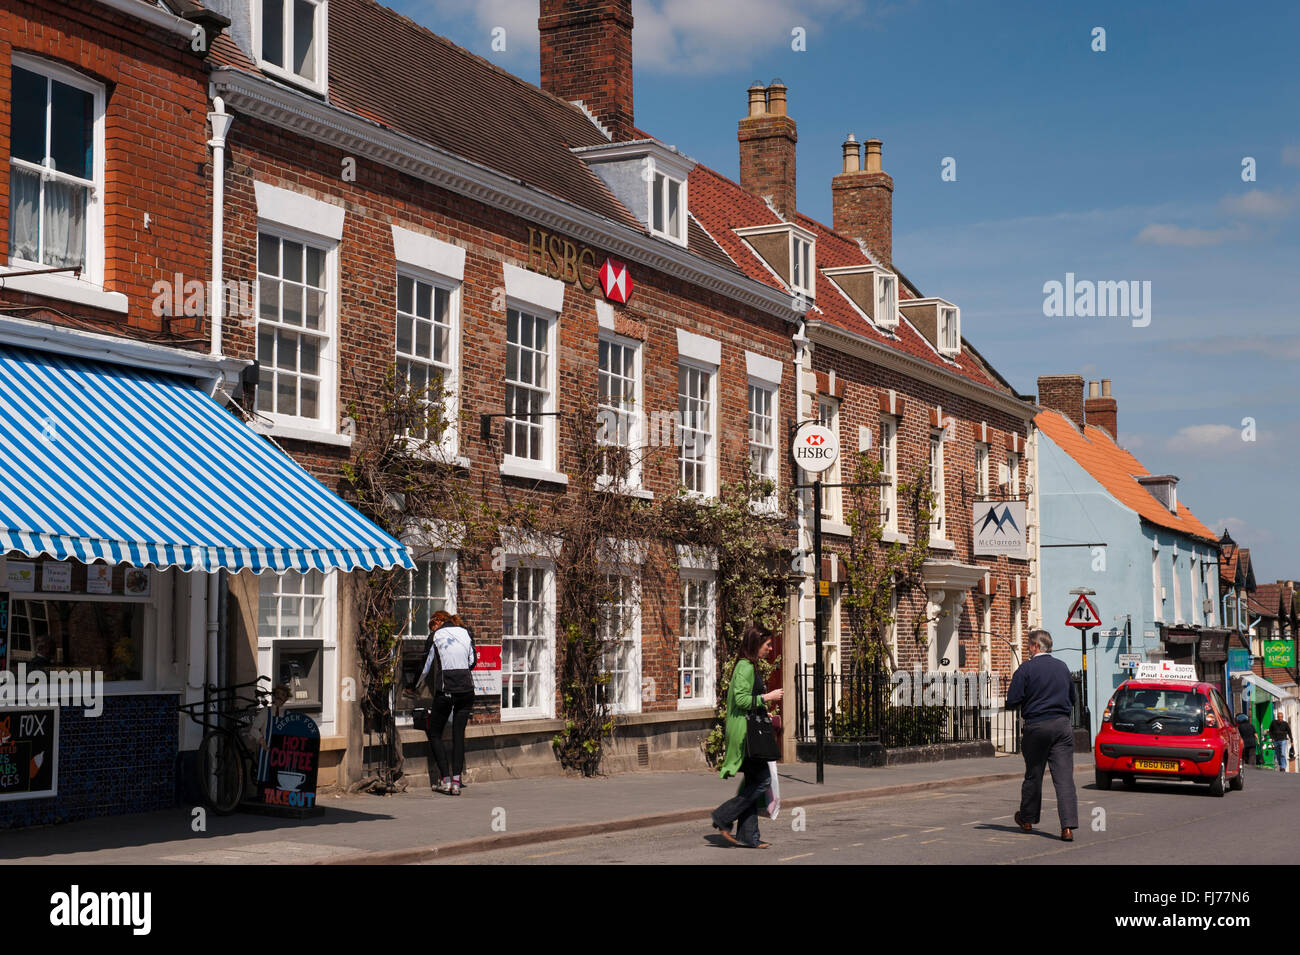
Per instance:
x=815, y=448
x=566, y=260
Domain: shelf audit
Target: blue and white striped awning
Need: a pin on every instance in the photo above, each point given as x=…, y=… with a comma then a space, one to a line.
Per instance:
x=107, y=462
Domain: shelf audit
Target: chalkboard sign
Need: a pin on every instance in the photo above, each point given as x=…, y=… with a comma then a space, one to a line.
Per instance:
x=28, y=753
x=286, y=771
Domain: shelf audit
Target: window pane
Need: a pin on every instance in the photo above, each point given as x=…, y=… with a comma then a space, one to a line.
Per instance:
x=64, y=237
x=293, y=261
x=657, y=222
x=273, y=31
x=674, y=218
x=27, y=121
x=72, y=129
x=24, y=215
x=304, y=39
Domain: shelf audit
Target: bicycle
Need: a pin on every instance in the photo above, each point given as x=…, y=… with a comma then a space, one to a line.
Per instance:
x=224, y=764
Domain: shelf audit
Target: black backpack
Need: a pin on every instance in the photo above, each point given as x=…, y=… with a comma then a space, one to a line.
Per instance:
x=452, y=682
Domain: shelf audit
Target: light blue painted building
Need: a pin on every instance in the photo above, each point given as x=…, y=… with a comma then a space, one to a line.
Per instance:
x=1108, y=525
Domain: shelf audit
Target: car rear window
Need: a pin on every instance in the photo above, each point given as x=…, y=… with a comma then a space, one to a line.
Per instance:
x=1157, y=710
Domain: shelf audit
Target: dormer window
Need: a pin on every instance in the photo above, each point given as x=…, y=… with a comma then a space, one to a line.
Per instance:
x=801, y=262
x=650, y=179
x=939, y=321
x=949, y=330
x=789, y=251
x=872, y=289
x=1163, y=487
x=668, y=208
x=290, y=40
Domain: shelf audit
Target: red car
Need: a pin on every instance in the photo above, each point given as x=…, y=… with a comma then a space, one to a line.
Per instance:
x=1166, y=730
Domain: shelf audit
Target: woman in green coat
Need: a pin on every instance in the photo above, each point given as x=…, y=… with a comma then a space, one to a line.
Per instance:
x=745, y=693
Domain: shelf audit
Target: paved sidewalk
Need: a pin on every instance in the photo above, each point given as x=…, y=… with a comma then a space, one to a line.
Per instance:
x=422, y=826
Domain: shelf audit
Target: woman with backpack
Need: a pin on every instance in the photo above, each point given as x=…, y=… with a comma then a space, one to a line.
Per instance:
x=745, y=695
x=450, y=655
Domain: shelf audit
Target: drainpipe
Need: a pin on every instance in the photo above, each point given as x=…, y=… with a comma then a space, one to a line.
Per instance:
x=801, y=356
x=220, y=121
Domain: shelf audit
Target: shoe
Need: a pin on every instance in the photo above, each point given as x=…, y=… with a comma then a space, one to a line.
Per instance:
x=726, y=834
x=1067, y=835
x=763, y=845
x=455, y=787
x=1020, y=821
x=443, y=786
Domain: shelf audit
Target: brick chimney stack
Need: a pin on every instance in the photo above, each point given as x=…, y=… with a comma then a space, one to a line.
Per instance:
x=767, y=147
x=1100, y=410
x=1063, y=393
x=586, y=54
x=863, y=200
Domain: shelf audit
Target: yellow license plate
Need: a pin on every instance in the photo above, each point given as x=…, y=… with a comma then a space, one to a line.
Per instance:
x=1164, y=765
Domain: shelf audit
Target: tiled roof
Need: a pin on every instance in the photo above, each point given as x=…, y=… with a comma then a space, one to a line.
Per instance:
x=1266, y=600
x=1117, y=471
x=724, y=206
x=431, y=89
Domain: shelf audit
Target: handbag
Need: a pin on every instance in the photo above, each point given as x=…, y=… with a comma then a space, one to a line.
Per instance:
x=760, y=734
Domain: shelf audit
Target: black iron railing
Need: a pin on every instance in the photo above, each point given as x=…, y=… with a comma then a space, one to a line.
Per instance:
x=875, y=706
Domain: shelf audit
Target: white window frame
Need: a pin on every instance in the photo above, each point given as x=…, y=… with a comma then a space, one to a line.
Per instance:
x=320, y=28
x=635, y=438
x=547, y=462
x=698, y=699
x=803, y=267
x=981, y=469
x=709, y=460
x=328, y=635
x=655, y=174
x=938, y=527
x=1156, y=586
x=884, y=292
x=546, y=680
x=773, y=471
x=889, y=469
x=949, y=331
x=828, y=415
x=449, y=448
x=92, y=274
x=1013, y=472
x=633, y=637
x=327, y=421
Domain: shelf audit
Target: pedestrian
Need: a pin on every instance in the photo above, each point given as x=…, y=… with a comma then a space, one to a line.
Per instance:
x=745, y=693
x=450, y=656
x=1044, y=691
x=1280, y=732
x=1248, y=739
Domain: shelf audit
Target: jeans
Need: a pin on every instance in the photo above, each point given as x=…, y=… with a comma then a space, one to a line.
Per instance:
x=1049, y=742
x=443, y=705
x=743, y=807
x=1281, y=753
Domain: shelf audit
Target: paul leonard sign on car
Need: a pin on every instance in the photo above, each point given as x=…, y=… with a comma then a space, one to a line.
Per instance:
x=815, y=448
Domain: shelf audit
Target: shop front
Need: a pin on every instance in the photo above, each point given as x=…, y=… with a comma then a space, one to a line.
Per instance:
x=128, y=497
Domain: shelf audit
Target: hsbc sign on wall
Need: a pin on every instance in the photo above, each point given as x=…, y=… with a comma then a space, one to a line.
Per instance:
x=564, y=259
x=1000, y=529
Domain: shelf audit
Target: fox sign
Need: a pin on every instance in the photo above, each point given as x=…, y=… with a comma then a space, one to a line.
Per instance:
x=815, y=448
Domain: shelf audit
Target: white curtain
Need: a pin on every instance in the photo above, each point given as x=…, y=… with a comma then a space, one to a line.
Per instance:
x=65, y=224
x=24, y=215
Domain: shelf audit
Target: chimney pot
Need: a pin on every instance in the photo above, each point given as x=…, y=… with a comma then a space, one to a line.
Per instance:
x=1105, y=387
x=873, y=155
x=852, y=154
x=757, y=99
x=776, y=98
x=1101, y=410
x=863, y=202
x=1094, y=390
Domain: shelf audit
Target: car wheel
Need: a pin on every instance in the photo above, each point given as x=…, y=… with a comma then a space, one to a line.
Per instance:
x=1103, y=780
x=1239, y=781
x=1219, y=786
x=1130, y=782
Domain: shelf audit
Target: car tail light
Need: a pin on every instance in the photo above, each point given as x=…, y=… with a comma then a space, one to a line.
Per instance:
x=1110, y=704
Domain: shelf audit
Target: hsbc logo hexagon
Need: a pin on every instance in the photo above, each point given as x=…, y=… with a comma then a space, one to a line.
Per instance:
x=616, y=281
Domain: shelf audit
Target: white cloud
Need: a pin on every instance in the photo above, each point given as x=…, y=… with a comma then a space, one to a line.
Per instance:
x=1243, y=532
x=1190, y=237
x=1273, y=347
x=1205, y=437
x=1257, y=204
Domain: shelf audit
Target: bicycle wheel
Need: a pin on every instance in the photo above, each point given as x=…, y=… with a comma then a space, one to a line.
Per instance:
x=221, y=771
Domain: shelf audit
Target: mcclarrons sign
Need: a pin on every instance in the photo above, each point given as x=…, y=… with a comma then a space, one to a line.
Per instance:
x=1000, y=529
x=566, y=260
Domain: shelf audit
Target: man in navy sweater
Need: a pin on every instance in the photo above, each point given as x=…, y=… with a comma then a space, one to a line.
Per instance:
x=1044, y=691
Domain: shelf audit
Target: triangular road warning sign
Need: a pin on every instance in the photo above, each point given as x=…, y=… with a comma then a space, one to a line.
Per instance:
x=1083, y=614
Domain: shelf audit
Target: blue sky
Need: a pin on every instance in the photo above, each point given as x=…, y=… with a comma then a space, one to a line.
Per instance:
x=1122, y=165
